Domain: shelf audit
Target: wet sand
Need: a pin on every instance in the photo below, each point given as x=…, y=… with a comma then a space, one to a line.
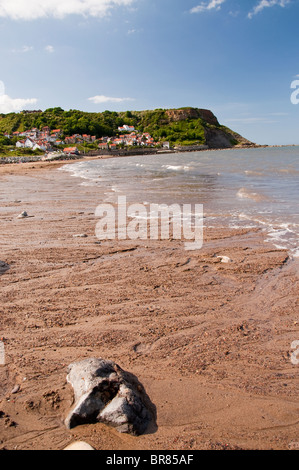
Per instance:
x=210, y=341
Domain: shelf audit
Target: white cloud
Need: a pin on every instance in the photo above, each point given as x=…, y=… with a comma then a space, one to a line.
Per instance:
x=100, y=99
x=49, y=49
x=207, y=6
x=11, y=105
x=134, y=31
x=267, y=4
x=23, y=50
x=34, y=9
x=27, y=49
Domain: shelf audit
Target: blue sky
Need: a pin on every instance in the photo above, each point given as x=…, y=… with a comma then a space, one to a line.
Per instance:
x=235, y=57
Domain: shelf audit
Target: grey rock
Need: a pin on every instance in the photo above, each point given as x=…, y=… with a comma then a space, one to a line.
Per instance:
x=80, y=235
x=3, y=267
x=105, y=393
x=23, y=215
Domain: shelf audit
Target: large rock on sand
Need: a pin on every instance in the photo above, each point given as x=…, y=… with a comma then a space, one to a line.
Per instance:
x=80, y=445
x=3, y=267
x=105, y=393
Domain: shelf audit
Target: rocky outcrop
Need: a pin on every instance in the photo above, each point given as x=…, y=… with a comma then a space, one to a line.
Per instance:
x=175, y=115
x=222, y=138
x=106, y=393
x=216, y=139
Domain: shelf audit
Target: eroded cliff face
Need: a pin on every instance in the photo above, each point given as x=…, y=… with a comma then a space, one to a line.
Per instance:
x=225, y=138
x=175, y=115
x=216, y=138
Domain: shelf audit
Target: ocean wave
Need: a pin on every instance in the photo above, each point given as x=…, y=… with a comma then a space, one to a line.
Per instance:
x=253, y=173
x=177, y=167
x=282, y=235
x=245, y=193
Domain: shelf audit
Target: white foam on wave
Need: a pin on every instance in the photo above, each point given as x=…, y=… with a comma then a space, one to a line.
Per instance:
x=79, y=170
x=282, y=235
x=245, y=193
x=253, y=173
x=176, y=167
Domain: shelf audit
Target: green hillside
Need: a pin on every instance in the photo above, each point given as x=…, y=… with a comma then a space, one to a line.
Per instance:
x=184, y=126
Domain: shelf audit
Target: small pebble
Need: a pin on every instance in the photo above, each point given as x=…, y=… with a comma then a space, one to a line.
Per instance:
x=23, y=215
x=224, y=259
x=15, y=389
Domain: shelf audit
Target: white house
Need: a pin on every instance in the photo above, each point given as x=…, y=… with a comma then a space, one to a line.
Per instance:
x=20, y=144
x=126, y=128
x=30, y=144
x=40, y=146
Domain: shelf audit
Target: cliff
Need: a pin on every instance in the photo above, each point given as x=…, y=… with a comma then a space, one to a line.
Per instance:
x=180, y=127
x=192, y=126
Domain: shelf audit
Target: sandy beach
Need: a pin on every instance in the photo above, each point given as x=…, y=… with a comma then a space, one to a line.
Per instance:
x=209, y=341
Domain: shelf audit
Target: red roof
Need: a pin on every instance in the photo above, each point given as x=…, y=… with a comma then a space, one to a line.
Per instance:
x=71, y=149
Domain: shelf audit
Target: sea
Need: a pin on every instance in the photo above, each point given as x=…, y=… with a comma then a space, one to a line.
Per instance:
x=239, y=188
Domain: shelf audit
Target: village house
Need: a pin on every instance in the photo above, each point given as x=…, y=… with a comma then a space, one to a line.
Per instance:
x=126, y=128
x=70, y=140
x=46, y=130
x=25, y=143
x=20, y=144
x=33, y=144
x=46, y=139
x=41, y=145
x=71, y=151
x=56, y=132
x=76, y=138
x=103, y=146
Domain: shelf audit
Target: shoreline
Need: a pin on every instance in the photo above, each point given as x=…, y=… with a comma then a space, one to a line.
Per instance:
x=44, y=164
x=124, y=154
x=209, y=341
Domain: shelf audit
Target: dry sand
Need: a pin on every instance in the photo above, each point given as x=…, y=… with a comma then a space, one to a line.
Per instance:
x=210, y=341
